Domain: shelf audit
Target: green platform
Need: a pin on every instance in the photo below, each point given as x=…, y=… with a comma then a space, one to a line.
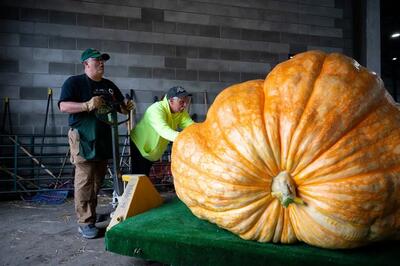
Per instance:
x=171, y=234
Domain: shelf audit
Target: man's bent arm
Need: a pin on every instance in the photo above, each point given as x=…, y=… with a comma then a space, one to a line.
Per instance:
x=71, y=107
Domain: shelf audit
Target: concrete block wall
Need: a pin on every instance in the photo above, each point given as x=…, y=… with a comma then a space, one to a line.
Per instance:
x=203, y=45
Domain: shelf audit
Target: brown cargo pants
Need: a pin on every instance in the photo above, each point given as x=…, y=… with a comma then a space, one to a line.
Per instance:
x=89, y=176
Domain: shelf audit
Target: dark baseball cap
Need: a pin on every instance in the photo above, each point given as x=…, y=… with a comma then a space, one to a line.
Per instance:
x=93, y=53
x=177, y=91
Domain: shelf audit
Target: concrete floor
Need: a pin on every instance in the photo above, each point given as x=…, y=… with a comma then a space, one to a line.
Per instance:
x=38, y=234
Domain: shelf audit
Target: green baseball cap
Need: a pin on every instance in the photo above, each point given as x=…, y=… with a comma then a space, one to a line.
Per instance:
x=93, y=53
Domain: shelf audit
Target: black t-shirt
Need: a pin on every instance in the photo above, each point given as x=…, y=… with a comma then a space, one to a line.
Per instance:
x=81, y=88
x=95, y=135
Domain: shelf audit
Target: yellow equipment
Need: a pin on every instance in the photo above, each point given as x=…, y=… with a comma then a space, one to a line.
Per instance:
x=139, y=196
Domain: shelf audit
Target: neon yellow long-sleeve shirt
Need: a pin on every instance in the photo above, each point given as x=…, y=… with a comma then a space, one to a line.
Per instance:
x=157, y=128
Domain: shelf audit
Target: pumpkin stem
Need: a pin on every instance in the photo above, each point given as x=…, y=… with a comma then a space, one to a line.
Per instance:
x=284, y=189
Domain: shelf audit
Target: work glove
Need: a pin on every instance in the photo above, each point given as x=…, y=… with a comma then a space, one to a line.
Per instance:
x=129, y=105
x=92, y=104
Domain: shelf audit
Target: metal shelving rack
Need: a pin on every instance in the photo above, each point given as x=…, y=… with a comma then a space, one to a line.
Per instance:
x=27, y=165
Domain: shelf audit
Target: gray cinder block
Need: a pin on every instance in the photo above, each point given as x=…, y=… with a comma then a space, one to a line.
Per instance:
x=30, y=40
x=36, y=15
x=9, y=39
x=11, y=92
x=182, y=74
x=175, y=62
x=230, y=76
x=60, y=17
x=116, y=22
x=162, y=49
x=115, y=46
x=209, y=53
x=152, y=14
x=33, y=93
x=139, y=25
x=51, y=55
x=163, y=73
x=61, y=68
x=166, y=27
x=188, y=29
x=90, y=20
x=116, y=71
x=208, y=76
x=140, y=48
x=231, y=33
x=83, y=44
x=8, y=66
x=185, y=51
x=34, y=66
x=209, y=31
x=230, y=54
x=62, y=43
x=16, y=79
x=140, y=72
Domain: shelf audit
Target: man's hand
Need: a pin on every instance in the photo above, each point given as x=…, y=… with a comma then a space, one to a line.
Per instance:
x=92, y=104
x=128, y=105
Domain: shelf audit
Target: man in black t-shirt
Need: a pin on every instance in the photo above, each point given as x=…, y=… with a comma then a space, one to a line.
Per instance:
x=89, y=139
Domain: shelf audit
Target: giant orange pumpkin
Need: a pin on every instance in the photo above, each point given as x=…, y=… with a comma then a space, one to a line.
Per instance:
x=310, y=154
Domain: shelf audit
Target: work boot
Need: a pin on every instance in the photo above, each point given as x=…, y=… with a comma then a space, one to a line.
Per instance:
x=88, y=231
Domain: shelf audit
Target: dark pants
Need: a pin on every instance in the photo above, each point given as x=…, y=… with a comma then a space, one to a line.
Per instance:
x=140, y=165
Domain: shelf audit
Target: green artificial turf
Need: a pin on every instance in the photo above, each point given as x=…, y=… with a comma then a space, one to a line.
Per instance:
x=172, y=234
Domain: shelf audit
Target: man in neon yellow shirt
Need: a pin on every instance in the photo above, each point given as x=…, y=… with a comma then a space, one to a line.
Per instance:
x=158, y=126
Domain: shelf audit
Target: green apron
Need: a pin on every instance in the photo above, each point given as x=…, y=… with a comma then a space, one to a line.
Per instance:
x=95, y=138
